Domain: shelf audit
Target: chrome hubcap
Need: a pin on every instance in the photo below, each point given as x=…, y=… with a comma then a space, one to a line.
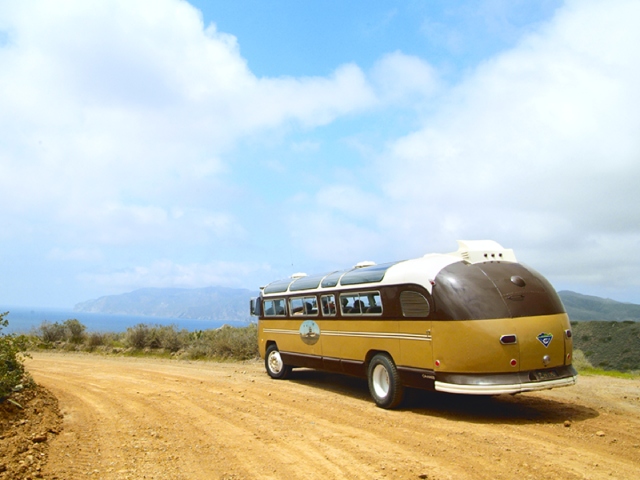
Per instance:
x=380, y=381
x=275, y=362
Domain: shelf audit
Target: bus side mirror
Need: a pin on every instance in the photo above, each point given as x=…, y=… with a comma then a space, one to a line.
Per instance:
x=254, y=307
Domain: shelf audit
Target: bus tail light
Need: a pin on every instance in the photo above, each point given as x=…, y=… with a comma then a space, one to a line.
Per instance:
x=508, y=339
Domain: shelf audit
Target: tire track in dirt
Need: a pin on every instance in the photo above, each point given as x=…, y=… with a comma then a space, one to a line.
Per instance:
x=135, y=418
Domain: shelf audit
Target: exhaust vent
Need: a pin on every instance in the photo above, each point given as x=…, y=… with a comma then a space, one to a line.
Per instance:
x=478, y=251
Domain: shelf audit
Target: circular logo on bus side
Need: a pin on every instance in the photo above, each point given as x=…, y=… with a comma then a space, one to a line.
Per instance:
x=310, y=332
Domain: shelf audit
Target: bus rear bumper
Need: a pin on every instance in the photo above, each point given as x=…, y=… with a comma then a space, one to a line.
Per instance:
x=497, y=384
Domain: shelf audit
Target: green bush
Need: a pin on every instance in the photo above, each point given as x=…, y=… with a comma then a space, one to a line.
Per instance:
x=74, y=330
x=580, y=361
x=162, y=337
x=51, y=332
x=226, y=342
x=138, y=337
x=96, y=339
x=12, y=372
x=240, y=343
x=71, y=330
x=170, y=339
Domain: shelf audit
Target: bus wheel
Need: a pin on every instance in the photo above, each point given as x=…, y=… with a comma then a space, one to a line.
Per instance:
x=276, y=368
x=384, y=381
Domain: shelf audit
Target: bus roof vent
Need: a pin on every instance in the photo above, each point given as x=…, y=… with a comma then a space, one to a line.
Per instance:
x=366, y=263
x=477, y=251
x=298, y=275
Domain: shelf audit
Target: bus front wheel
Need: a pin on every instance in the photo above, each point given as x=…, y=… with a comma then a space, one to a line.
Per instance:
x=276, y=368
x=384, y=381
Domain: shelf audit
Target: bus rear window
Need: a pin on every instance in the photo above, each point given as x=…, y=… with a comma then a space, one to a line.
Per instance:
x=362, y=303
x=414, y=304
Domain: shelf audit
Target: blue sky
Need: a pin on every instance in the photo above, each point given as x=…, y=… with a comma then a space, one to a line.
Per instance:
x=169, y=143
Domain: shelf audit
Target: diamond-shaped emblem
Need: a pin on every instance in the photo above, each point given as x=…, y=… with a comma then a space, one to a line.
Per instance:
x=545, y=338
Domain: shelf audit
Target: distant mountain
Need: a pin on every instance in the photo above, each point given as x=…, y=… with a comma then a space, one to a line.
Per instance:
x=210, y=303
x=587, y=308
x=232, y=304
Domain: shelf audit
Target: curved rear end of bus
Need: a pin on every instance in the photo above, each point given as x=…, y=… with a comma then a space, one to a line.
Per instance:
x=499, y=327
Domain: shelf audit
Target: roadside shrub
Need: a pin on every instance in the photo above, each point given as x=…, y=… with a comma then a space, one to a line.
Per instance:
x=239, y=343
x=156, y=337
x=71, y=330
x=580, y=361
x=138, y=336
x=96, y=339
x=171, y=339
x=226, y=342
x=51, y=332
x=74, y=330
x=12, y=372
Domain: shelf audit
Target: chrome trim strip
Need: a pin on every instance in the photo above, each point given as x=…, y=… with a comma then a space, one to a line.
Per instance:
x=338, y=333
x=282, y=330
x=500, y=389
x=392, y=336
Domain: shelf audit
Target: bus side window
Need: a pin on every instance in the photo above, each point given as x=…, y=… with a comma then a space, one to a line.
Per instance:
x=348, y=304
x=364, y=303
x=296, y=306
x=274, y=308
x=373, y=303
x=310, y=306
x=328, y=305
x=303, y=306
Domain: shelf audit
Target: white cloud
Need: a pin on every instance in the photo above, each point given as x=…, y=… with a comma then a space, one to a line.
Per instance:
x=120, y=110
x=537, y=148
x=400, y=78
x=120, y=121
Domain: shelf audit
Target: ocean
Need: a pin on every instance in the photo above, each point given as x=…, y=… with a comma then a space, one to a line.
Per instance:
x=25, y=319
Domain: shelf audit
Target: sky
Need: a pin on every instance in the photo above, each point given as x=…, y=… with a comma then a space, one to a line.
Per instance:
x=166, y=143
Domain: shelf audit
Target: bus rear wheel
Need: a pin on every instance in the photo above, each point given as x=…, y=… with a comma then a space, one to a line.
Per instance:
x=276, y=368
x=384, y=381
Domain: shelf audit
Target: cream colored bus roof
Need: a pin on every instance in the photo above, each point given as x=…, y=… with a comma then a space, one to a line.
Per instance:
x=421, y=271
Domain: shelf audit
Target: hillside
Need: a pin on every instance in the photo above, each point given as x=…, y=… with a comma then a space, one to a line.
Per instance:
x=211, y=303
x=609, y=345
x=587, y=308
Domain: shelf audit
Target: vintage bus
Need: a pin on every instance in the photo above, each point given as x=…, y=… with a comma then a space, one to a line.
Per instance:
x=471, y=322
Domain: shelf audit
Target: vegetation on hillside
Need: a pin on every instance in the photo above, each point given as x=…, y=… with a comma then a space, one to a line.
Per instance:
x=12, y=348
x=609, y=345
x=238, y=343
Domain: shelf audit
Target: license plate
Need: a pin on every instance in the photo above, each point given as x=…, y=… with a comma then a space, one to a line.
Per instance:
x=545, y=375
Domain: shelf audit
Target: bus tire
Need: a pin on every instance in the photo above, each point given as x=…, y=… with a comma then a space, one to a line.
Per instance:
x=276, y=368
x=384, y=381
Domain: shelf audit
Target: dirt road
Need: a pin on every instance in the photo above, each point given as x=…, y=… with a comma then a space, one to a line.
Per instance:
x=142, y=418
